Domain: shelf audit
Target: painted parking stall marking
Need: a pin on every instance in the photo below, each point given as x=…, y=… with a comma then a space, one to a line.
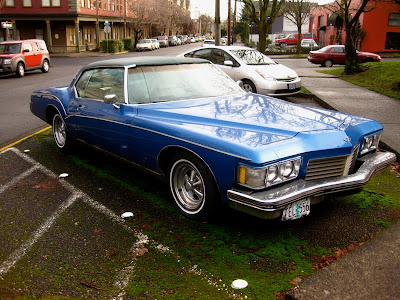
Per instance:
x=22, y=184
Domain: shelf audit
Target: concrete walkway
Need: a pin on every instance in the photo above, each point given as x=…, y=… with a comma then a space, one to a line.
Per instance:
x=371, y=271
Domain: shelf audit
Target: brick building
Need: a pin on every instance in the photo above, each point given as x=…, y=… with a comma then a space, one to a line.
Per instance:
x=382, y=26
x=72, y=25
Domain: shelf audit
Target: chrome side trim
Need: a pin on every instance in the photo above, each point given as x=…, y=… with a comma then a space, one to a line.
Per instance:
x=164, y=134
x=272, y=200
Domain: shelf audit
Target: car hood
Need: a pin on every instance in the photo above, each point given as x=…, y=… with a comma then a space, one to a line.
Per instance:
x=244, y=124
x=276, y=71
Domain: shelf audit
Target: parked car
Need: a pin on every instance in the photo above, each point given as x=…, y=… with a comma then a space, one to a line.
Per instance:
x=291, y=39
x=24, y=55
x=156, y=43
x=214, y=144
x=258, y=72
x=335, y=55
x=145, y=44
x=173, y=40
x=308, y=43
x=163, y=41
x=208, y=43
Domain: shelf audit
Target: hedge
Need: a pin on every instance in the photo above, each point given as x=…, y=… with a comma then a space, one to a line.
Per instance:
x=112, y=46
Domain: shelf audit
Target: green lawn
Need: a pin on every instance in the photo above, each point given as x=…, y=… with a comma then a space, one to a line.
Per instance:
x=382, y=77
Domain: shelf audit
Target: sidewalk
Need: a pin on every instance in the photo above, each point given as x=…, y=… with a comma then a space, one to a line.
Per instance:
x=343, y=96
x=371, y=271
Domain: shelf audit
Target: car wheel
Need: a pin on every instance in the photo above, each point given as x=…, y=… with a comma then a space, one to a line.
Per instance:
x=63, y=139
x=45, y=66
x=328, y=63
x=20, y=70
x=283, y=44
x=249, y=87
x=193, y=187
x=368, y=59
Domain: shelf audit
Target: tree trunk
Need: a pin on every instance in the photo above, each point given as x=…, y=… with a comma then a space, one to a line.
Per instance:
x=298, y=38
x=262, y=42
x=352, y=66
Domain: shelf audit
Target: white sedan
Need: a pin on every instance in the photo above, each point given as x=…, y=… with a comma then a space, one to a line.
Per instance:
x=145, y=44
x=258, y=72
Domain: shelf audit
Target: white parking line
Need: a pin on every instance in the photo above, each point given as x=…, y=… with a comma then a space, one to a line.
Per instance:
x=142, y=240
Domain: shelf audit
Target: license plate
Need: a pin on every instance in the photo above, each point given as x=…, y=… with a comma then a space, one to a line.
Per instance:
x=296, y=210
x=292, y=86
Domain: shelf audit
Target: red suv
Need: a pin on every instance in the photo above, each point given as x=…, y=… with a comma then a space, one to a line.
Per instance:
x=20, y=56
x=291, y=39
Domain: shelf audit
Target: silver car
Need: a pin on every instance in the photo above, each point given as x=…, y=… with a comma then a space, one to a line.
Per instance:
x=258, y=72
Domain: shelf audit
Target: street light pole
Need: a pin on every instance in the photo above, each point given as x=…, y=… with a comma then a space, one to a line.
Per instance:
x=217, y=24
x=229, y=22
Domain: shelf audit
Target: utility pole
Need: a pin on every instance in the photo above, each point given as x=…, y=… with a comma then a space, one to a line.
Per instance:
x=217, y=24
x=229, y=22
x=234, y=23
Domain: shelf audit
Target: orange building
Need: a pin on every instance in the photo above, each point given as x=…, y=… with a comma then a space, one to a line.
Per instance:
x=382, y=27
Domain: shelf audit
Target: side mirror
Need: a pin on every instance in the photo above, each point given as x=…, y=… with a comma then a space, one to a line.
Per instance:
x=228, y=63
x=110, y=99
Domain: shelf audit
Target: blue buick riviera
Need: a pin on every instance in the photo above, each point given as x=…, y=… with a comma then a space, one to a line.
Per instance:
x=216, y=145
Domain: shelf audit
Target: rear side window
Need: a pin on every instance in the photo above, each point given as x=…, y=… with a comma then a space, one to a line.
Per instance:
x=27, y=47
x=203, y=53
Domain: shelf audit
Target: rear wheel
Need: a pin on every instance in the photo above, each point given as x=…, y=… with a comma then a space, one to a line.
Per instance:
x=249, y=87
x=20, y=70
x=193, y=187
x=368, y=59
x=63, y=139
x=328, y=63
x=45, y=66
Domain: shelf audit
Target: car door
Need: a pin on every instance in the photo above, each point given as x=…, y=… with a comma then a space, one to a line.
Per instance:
x=338, y=55
x=219, y=57
x=95, y=120
x=37, y=55
x=29, y=55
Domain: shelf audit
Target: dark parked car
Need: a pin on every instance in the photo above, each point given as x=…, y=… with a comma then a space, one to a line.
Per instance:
x=185, y=120
x=25, y=55
x=335, y=55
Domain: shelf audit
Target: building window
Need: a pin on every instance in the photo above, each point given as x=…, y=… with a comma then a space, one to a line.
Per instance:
x=392, y=40
x=48, y=3
x=27, y=3
x=72, y=36
x=10, y=3
x=394, y=20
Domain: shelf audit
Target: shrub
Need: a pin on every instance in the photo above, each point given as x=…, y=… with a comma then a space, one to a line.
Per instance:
x=112, y=46
x=128, y=44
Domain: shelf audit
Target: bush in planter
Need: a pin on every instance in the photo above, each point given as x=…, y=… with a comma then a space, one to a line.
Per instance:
x=112, y=46
x=128, y=44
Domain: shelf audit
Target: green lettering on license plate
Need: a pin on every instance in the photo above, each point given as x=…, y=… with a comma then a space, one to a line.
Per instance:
x=296, y=210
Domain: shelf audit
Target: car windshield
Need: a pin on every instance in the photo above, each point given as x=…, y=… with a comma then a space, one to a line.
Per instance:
x=144, y=41
x=252, y=57
x=149, y=84
x=10, y=48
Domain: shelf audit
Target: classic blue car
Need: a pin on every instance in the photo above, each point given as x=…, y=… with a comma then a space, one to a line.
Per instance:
x=185, y=120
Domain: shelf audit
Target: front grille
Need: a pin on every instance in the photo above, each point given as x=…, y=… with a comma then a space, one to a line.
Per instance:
x=331, y=166
x=286, y=79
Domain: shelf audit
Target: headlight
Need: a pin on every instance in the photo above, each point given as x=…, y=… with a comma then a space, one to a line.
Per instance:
x=259, y=178
x=263, y=75
x=370, y=143
x=7, y=61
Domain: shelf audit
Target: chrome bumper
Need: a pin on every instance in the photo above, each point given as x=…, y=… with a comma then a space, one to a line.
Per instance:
x=270, y=203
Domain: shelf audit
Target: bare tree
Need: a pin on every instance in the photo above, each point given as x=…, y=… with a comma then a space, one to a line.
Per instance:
x=263, y=13
x=350, y=11
x=298, y=13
